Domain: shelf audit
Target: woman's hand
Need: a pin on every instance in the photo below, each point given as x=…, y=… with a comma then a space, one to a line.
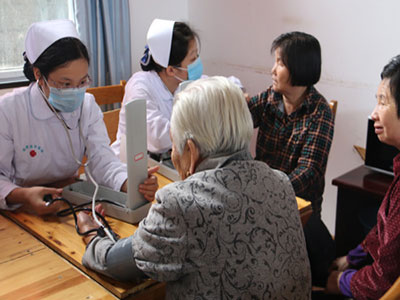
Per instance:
x=86, y=222
x=339, y=264
x=32, y=199
x=247, y=97
x=149, y=187
x=332, y=284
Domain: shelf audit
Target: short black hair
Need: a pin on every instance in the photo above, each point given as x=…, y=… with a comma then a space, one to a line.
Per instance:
x=301, y=54
x=57, y=54
x=181, y=37
x=392, y=72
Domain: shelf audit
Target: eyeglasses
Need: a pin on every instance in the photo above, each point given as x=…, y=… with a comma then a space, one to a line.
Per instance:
x=67, y=85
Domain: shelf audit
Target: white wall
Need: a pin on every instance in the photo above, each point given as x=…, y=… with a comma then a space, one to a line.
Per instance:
x=357, y=38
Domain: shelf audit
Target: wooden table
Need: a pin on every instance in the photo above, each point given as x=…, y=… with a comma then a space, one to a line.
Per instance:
x=59, y=235
x=357, y=189
x=30, y=270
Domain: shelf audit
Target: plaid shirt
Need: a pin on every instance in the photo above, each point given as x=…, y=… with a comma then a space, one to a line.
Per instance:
x=297, y=144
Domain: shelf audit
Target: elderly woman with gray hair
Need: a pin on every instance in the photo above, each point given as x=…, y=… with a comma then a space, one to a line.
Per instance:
x=230, y=229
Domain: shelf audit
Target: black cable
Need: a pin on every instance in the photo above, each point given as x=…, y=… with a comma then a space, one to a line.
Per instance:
x=81, y=207
x=67, y=211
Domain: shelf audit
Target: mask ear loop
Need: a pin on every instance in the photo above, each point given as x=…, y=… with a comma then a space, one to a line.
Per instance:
x=180, y=79
x=80, y=163
x=183, y=69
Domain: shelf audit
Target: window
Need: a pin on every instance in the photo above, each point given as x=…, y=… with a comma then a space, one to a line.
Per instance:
x=15, y=18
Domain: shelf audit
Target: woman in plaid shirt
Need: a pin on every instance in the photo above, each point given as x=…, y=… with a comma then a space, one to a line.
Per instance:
x=295, y=132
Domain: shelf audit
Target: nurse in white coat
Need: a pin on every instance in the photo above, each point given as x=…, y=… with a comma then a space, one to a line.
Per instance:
x=171, y=56
x=36, y=153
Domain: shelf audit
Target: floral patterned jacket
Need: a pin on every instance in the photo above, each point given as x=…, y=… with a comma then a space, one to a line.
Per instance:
x=230, y=231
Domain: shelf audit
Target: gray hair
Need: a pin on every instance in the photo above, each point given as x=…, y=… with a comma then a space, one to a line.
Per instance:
x=214, y=114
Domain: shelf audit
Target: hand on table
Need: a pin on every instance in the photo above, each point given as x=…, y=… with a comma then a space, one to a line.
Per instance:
x=86, y=222
x=32, y=199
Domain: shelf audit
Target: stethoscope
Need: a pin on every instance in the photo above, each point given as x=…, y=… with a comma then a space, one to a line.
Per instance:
x=79, y=162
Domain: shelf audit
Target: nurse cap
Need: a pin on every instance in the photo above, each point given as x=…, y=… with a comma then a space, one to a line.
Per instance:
x=41, y=35
x=159, y=40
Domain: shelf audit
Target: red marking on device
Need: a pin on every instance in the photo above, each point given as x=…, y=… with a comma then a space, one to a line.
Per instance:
x=139, y=156
x=32, y=153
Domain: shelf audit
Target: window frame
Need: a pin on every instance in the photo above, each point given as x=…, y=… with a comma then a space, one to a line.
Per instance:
x=14, y=77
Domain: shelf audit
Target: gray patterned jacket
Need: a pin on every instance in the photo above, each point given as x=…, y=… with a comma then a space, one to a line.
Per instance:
x=230, y=231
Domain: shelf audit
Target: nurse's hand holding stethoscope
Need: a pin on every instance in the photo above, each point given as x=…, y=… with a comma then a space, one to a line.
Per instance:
x=32, y=199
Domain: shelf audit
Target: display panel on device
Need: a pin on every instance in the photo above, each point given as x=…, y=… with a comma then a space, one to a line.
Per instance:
x=378, y=156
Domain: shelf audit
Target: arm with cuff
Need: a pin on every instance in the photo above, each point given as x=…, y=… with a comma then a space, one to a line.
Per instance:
x=115, y=260
x=157, y=249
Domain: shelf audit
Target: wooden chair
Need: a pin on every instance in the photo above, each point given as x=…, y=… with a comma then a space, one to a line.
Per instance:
x=394, y=292
x=108, y=95
x=111, y=119
x=333, y=106
x=305, y=210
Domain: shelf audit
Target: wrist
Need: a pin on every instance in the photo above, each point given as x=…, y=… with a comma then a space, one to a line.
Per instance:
x=124, y=187
x=338, y=280
x=89, y=237
x=17, y=195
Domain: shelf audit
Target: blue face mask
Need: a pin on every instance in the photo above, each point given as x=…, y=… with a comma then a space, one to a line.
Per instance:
x=67, y=100
x=195, y=70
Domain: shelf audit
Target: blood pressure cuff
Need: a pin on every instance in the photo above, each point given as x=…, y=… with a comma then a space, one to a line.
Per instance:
x=113, y=260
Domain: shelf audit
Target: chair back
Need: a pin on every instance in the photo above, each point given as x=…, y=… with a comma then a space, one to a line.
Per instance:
x=106, y=97
x=111, y=119
x=394, y=292
x=109, y=94
x=333, y=106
